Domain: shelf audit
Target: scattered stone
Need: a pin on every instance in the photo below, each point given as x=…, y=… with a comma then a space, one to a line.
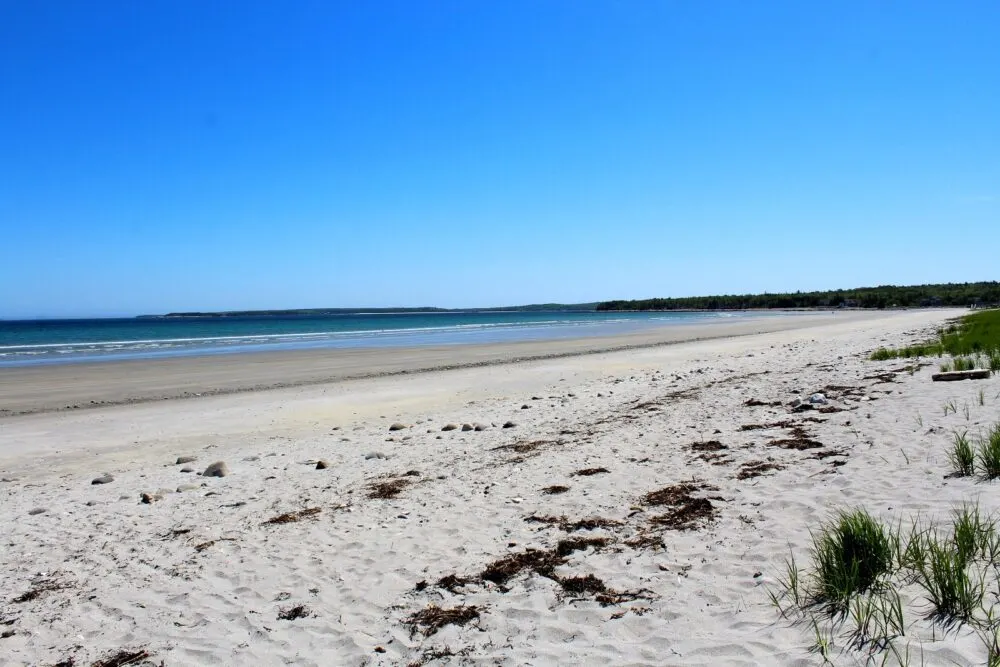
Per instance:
x=37, y=511
x=509, y=424
x=397, y=427
x=817, y=399
x=103, y=479
x=525, y=407
x=375, y=455
x=468, y=427
x=322, y=465
x=185, y=459
x=217, y=469
x=187, y=487
x=187, y=469
x=449, y=427
x=150, y=498
x=251, y=459
x=481, y=427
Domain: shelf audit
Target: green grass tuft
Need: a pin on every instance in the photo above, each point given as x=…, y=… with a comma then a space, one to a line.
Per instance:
x=954, y=593
x=989, y=453
x=962, y=456
x=851, y=554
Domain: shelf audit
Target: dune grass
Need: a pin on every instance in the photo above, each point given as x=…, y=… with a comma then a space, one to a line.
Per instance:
x=859, y=565
x=988, y=453
x=962, y=455
x=972, y=341
x=851, y=553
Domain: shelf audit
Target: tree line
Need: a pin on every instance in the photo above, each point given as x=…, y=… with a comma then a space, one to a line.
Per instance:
x=883, y=296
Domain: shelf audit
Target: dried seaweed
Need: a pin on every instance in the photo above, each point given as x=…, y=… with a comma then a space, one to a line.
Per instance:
x=587, y=472
x=294, y=613
x=292, y=517
x=428, y=621
x=122, y=658
x=756, y=469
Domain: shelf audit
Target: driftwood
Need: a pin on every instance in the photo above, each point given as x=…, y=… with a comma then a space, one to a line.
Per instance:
x=977, y=374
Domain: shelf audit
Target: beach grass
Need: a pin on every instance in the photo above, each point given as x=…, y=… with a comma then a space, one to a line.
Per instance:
x=988, y=453
x=973, y=340
x=860, y=566
x=962, y=455
x=850, y=553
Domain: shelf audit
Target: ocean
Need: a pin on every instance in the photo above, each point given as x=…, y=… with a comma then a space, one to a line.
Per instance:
x=33, y=342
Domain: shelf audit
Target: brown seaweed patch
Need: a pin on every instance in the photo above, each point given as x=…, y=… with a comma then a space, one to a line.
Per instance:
x=796, y=443
x=757, y=427
x=123, y=657
x=753, y=469
x=292, y=517
x=503, y=570
x=428, y=621
x=555, y=489
x=587, y=472
x=753, y=402
x=568, y=546
x=294, y=613
x=708, y=446
x=452, y=582
x=582, y=585
x=688, y=515
x=674, y=494
x=527, y=446
x=827, y=453
x=40, y=588
x=570, y=526
x=388, y=489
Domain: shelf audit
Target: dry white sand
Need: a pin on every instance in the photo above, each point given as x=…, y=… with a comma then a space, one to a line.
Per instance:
x=198, y=577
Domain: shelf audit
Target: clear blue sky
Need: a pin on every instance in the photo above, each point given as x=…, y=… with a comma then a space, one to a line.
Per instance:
x=168, y=155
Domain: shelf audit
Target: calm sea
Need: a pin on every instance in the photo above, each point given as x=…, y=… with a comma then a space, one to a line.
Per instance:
x=67, y=341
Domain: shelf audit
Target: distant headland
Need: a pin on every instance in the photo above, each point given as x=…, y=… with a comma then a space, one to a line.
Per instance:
x=979, y=294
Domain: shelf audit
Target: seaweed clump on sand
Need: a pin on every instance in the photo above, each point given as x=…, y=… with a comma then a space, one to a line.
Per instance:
x=428, y=621
x=686, y=512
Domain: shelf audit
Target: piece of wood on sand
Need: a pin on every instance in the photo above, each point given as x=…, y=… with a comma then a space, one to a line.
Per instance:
x=978, y=374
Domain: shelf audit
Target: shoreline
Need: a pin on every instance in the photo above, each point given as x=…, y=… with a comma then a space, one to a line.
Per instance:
x=27, y=390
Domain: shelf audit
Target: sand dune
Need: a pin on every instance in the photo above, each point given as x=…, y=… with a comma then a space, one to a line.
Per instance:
x=634, y=511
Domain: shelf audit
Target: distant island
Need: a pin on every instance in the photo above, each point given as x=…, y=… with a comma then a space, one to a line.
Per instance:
x=884, y=296
x=313, y=312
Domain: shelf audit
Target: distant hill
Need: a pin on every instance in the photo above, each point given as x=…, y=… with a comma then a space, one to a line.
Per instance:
x=883, y=296
x=536, y=307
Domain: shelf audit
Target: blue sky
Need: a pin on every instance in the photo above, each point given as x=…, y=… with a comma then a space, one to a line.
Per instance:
x=175, y=155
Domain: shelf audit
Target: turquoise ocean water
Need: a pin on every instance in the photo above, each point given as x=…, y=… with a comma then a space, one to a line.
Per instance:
x=67, y=341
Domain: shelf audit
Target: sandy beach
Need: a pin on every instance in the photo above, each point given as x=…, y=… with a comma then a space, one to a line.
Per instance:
x=514, y=486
